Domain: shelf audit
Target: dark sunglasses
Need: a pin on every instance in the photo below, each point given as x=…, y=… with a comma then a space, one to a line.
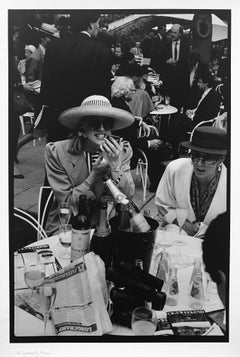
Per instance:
x=207, y=159
x=95, y=124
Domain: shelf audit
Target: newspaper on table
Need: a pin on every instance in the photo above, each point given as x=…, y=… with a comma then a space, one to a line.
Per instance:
x=82, y=297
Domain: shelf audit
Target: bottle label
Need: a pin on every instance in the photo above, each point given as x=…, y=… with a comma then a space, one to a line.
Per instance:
x=139, y=223
x=80, y=243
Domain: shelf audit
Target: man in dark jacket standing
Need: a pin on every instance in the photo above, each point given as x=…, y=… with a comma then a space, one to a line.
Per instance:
x=74, y=68
x=173, y=62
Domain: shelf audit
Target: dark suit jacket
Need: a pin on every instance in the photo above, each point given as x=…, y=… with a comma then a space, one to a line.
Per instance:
x=193, y=93
x=174, y=76
x=74, y=68
x=208, y=108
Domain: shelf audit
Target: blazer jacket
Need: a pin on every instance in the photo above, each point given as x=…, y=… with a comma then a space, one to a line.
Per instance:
x=208, y=108
x=174, y=192
x=66, y=174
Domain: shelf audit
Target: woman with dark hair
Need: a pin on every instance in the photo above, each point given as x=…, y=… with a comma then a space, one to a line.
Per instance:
x=78, y=165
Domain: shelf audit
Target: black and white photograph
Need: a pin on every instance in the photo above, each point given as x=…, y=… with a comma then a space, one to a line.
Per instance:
x=120, y=179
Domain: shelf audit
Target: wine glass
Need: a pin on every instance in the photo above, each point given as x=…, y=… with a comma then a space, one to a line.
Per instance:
x=34, y=275
x=64, y=212
x=144, y=321
x=182, y=214
x=46, y=296
x=65, y=238
x=167, y=100
x=163, y=262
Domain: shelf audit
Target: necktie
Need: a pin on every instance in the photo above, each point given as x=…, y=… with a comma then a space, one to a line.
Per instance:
x=175, y=52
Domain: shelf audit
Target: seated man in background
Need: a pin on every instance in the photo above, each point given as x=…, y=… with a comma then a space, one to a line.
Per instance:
x=207, y=108
x=208, y=105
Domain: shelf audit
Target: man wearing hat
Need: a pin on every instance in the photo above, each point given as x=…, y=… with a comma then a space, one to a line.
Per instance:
x=74, y=68
x=196, y=184
x=77, y=165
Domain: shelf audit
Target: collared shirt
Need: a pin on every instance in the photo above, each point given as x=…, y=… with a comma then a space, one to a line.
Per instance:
x=192, y=74
x=43, y=49
x=178, y=49
x=202, y=97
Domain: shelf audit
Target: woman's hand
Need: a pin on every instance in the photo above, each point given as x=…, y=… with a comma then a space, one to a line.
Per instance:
x=155, y=144
x=146, y=129
x=190, y=228
x=112, y=152
x=100, y=167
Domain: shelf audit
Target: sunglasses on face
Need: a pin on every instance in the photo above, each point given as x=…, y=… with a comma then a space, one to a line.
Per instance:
x=95, y=124
x=206, y=159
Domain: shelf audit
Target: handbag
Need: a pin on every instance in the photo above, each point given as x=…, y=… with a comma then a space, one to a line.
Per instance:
x=20, y=102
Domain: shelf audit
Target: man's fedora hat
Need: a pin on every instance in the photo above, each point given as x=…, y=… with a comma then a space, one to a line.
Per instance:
x=209, y=140
x=95, y=106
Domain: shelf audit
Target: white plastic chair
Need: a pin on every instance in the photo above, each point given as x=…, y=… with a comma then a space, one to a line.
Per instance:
x=19, y=213
x=45, y=192
x=200, y=124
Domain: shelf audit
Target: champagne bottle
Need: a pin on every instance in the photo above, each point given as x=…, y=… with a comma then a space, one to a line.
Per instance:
x=81, y=230
x=124, y=221
x=138, y=222
x=117, y=194
x=101, y=242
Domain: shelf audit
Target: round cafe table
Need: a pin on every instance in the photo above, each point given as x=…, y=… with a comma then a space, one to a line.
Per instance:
x=163, y=110
x=26, y=324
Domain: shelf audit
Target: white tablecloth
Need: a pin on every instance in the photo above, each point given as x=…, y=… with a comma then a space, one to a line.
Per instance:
x=182, y=256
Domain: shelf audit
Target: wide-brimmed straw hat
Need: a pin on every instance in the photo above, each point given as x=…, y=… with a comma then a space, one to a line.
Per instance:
x=95, y=106
x=209, y=140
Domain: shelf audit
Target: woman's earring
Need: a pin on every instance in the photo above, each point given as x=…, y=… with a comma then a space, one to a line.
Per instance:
x=219, y=167
x=81, y=134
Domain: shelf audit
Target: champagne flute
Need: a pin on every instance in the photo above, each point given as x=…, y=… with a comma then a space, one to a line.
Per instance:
x=64, y=212
x=46, y=295
x=65, y=238
x=34, y=275
x=182, y=214
x=144, y=321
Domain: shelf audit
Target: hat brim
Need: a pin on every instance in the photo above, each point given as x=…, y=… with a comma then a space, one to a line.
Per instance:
x=189, y=145
x=75, y=118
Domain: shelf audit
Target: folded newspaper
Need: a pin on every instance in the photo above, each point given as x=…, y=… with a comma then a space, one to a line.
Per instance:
x=82, y=297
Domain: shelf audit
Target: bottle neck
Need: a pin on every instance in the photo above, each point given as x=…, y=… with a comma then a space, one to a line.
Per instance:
x=117, y=194
x=82, y=207
x=103, y=227
x=124, y=220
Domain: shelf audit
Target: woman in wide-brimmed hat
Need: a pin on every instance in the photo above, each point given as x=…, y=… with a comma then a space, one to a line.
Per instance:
x=77, y=165
x=197, y=183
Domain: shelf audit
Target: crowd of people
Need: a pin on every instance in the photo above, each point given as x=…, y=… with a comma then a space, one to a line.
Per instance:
x=91, y=90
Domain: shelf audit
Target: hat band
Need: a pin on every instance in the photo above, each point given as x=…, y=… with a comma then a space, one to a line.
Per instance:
x=206, y=143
